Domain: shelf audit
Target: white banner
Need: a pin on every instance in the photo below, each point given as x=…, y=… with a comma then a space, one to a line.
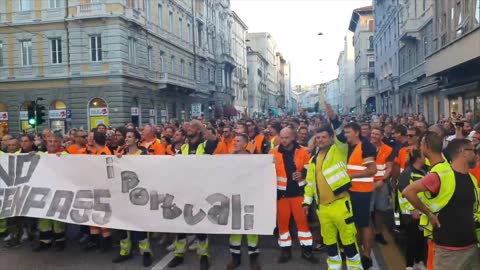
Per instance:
x=189, y=194
x=23, y=115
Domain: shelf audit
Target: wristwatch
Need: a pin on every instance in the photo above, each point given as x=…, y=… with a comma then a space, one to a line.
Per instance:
x=430, y=215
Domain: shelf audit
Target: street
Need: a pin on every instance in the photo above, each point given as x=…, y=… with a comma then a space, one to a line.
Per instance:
x=22, y=258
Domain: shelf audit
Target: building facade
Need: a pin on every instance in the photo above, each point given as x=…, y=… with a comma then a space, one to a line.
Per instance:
x=257, y=83
x=239, y=52
x=455, y=59
x=346, y=73
x=265, y=44
x=385, y=64
x=334, y=96
x=362, y=25
x=114, y=61
x=416, y=91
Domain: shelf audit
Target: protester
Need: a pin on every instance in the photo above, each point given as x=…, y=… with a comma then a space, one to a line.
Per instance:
x=291, y=159
x=450, y=203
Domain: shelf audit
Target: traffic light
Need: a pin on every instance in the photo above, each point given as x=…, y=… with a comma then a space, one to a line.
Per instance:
x=32, y=121
x=40, y=113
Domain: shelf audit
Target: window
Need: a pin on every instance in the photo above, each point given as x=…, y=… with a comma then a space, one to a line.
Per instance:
x=146, y=9
x=202, y=75
x=172, y=26
x=132, y=52
x=370, y=42
x=182, y=68
x=190, y=70
x=1, y=54
x=96, y=48
x=160, y=16
x=149, y=56
x=172, y=60
x=25, y=5
x=180, y=27
x=425, y=46
x=477, y=13
x=200, y=43
x=54, y=3
x=189, y=33
x=26, y=53
x=56, y=51
x=162, y=53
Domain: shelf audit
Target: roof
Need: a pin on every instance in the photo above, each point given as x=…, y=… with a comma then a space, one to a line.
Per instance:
x=356, y=16
x=367, y=8
x=239, y=20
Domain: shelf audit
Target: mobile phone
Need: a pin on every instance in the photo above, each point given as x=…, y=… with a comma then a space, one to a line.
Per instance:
x=459, y=124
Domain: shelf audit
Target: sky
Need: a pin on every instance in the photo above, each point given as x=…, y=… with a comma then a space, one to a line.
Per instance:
x=295, y=24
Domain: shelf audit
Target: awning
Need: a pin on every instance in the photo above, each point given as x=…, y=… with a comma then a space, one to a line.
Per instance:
x=460, y=89
x=429, y=87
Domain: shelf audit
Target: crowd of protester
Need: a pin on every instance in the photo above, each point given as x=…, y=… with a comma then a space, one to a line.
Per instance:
x=386, y=168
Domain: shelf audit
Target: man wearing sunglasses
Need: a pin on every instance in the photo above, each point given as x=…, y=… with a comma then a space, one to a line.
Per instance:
x=80, y=145
x=450, y=203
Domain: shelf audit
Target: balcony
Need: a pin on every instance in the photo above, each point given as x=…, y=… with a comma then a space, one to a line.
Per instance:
x=165, y=78
x=411, y=75
x=91, y=10
x=412, y=26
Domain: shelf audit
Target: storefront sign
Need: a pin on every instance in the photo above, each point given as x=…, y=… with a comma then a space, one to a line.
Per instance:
x=135, y=111
x=57, y=114
x=99, y=111
x=3, y=116
x=152, y=112
x=163, y=113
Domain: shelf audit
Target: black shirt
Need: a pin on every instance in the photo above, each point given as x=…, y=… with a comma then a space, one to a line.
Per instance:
x=458, y=224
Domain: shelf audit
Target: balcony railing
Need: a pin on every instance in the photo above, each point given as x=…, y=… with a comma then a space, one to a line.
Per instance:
x=92, y=9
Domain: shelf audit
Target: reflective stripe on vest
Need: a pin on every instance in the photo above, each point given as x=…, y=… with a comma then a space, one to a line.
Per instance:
x=355, y=165
x=384, y=153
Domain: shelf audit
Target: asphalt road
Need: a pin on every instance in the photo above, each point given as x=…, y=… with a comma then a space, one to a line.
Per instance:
x=74, y=258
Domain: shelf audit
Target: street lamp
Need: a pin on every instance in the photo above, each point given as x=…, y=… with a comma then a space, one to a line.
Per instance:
x=320, y=34
x=320, y=60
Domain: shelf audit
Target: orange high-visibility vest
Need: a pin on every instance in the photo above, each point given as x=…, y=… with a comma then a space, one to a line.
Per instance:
x=355, y=165
x=302, y=158
x=382, y=157
x=402, y=158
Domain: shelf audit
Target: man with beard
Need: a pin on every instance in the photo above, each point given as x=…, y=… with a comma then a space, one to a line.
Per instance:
x=200, y=142
x=178, y=141
x=449, y=205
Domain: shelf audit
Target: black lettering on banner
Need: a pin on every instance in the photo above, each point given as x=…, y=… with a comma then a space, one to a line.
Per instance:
x=83, y=201
x=56, y=205
x=236, y=212
x=33, y=161
x=156, y=199
x=218, y=214
x=8, y=199
x=8, y=178
x=98, y=218
x=139, y=196
x=20, y=200
x=2, y=191
x=191, y=219
x=33, y=202
x=129, y=181
x=248, y=220
x=170, y=210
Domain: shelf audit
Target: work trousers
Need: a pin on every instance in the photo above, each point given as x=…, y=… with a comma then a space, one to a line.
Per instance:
x=286, y=207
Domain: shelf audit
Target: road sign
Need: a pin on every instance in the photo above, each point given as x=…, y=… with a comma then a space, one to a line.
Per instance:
x=196, y=109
